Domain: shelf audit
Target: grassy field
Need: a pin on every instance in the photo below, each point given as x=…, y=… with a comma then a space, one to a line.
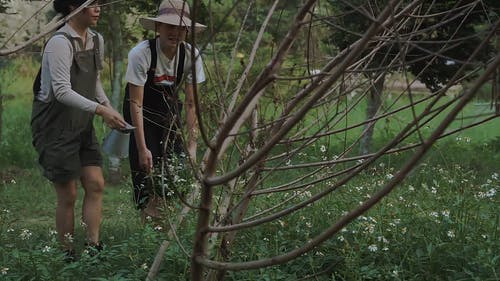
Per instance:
x=440, y=224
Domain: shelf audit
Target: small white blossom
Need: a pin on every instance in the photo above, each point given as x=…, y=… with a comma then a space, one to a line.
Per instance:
x=25, y=234
x=322, y=148
x=4, y=270
x=69, y=237
x=158, y=228
x=451, y=233
x=372, y=248
x=144, y=266
x=445, y=213
x=433, y=190
x=389, y=176
x=382, y=239
x=46, y=249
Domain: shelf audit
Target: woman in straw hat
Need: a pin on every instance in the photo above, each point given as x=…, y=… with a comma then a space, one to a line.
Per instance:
x=155, y=71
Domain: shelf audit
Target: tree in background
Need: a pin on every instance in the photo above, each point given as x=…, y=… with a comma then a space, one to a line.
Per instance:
x=435, y=43
x=3, y=65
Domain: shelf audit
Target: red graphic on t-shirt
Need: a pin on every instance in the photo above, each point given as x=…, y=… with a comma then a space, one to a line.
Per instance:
x=162, y=78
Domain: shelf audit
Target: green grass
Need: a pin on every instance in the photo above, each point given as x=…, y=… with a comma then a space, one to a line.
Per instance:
x=440, y=224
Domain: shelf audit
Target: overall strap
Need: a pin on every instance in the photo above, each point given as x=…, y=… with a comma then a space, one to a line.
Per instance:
x=97, y=53
x=180, y=64
x=37, y=84
x=152, y=67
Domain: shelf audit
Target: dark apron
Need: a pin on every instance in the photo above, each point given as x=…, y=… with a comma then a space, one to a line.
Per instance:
x=57, y=128
x=162, y=110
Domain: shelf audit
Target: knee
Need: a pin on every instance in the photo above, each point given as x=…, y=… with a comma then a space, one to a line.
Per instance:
x=67, y=199
x=95, y=185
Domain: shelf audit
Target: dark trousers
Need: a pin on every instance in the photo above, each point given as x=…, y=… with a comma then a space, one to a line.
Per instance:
x=155, y=137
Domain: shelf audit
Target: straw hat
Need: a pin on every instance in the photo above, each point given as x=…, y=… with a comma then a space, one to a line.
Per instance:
x=174, y=12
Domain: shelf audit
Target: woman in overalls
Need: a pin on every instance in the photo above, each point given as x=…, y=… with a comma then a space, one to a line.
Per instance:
x=63, y=109
x=155, y=70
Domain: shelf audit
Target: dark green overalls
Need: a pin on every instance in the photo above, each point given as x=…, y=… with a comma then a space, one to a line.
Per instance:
x=64, y=136
x=161, y=112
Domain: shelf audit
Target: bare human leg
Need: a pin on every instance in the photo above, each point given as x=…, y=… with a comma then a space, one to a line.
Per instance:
x=65, y=212
x=93, y=184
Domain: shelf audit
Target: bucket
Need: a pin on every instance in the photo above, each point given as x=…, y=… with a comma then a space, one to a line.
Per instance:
x=116, y=144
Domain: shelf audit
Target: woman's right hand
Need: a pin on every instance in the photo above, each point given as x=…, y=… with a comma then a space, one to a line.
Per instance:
x=111, y=117
x=146, y=160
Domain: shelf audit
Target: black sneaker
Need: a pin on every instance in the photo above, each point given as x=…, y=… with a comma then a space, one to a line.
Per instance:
x=93, y=249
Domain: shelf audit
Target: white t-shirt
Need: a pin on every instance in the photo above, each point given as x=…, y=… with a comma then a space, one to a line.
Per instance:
x=139, y=61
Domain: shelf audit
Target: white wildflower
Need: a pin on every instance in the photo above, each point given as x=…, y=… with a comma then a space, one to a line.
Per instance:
x=446, y=213
x=322, y=148
x=389, y=176
x=144, y=266
x=158, y=228
x=451, y=233
x=382, y=239
x=46, y=249
x=25, y=234
x=372, y=248
x=69, y=237
x=4, y=270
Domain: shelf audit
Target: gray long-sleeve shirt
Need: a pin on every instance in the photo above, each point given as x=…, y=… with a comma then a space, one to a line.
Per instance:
x=56, y=66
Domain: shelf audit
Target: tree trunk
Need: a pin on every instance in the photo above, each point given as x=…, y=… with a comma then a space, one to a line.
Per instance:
x=1, y=114
x=373, y=104
x=115, y=22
